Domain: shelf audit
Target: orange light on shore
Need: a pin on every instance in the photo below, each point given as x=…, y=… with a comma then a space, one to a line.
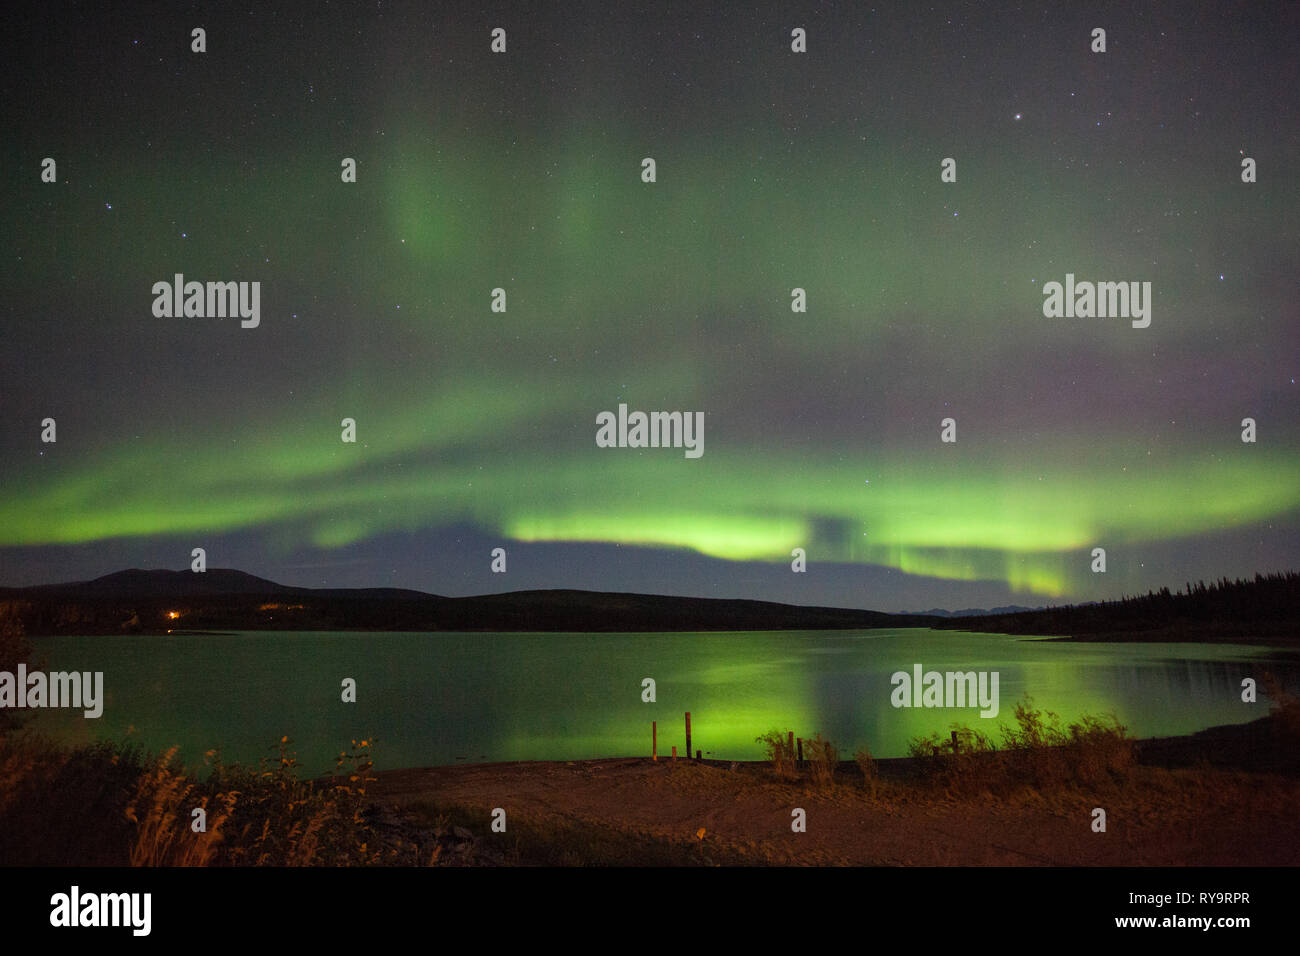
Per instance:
x=173, y=614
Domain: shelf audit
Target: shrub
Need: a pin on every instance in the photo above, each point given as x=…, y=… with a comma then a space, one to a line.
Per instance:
x=960, y=762
x=1046, y=756
x=1037, y=752
x=779, y=752
x=107, y=804
x=272, y=818
x=822, y=759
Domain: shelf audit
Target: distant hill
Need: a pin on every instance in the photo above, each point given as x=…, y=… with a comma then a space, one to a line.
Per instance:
x=1244, y=611
x=156, y=601
x=136, y=583
x=977, y=611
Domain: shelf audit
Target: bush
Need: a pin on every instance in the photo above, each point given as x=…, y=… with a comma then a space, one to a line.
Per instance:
x=779, y=752
x=269, y=817
x=961, y=762
x=1046, y=756
x=1037, y=752
x=822, y=760
x=108, y=804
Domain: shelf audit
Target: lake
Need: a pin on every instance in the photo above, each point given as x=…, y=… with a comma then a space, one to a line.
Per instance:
x=440, y=698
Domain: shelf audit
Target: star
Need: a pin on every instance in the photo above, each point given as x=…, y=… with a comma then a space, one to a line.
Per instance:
x=1018, y=116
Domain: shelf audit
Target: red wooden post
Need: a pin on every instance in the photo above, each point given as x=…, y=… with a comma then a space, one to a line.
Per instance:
x=654, y=740
x=688, y=735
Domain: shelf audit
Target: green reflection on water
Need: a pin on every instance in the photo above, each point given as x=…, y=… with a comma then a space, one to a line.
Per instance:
x=438, y=698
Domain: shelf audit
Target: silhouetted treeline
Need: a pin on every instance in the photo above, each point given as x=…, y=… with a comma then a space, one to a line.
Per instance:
x=1266, y=606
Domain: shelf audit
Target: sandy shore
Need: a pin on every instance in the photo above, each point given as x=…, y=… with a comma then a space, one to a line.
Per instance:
x=1217, y=798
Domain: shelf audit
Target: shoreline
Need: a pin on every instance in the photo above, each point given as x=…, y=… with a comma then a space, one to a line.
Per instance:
x=631, y=811
x=1236, y=745
x=1285, y=641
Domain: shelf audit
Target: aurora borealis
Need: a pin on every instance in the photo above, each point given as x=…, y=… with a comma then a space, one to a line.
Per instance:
x=775, y=171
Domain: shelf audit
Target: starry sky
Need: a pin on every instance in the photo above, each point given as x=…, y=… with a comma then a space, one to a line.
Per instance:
x=774, y=170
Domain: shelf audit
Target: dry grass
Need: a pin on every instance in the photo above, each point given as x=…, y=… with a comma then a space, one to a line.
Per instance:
x=110, y=805
x=1038, y=753
x=779, y=752
x=822, y=758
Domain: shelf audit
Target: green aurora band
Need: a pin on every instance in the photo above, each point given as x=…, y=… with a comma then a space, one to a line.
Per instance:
x=629, y=289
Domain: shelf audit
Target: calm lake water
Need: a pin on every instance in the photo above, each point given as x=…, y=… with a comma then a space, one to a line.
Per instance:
x=441, y=698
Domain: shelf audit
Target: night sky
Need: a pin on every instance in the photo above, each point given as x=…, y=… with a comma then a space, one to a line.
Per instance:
x=775, y=170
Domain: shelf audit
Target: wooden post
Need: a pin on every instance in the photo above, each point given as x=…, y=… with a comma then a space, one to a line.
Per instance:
x=697, y=755
x=654, y=740
x=799, y=743
x=688, y=735
x=674, y=754
x=954, y=741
